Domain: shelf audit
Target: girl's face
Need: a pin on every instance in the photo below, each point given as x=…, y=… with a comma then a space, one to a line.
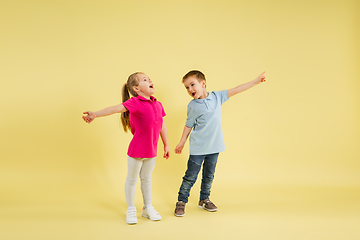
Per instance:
x=195, y=88
x=145, y=87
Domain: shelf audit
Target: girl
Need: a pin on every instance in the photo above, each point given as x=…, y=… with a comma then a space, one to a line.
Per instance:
x=143, y=116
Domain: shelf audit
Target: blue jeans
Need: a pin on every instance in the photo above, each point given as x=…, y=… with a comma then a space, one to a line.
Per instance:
x=193, y=169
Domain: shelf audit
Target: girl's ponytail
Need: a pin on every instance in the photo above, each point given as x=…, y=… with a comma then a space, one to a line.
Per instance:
x=125, y=117
x=128, y=87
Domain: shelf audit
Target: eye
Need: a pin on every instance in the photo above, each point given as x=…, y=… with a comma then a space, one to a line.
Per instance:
x=192, y=84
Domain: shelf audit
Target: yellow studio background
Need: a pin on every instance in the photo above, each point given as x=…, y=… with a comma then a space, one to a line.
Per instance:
x=291, y=169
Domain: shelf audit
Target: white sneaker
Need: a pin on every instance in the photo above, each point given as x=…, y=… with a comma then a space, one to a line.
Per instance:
x=151, y=213
x=131, y=217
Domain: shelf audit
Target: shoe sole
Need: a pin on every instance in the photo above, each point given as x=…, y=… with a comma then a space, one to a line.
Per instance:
x=178, y=215
x=146, y=216
x=131, y=223
x=207, y=209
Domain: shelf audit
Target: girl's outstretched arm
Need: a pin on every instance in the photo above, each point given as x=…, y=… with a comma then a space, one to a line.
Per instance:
x=90, y=116
x=245, y=86
x=164, y=138
x=182, y=142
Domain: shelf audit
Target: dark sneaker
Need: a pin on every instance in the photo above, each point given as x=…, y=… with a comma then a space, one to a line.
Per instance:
x=207, y=205
x=180, y=209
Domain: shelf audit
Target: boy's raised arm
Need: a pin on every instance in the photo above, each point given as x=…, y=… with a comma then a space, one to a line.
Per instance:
x=245, y=86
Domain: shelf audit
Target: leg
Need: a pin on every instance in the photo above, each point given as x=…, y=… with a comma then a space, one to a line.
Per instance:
x=134, y=166
x=208, y=175
x=193, y=169
x=145, y=177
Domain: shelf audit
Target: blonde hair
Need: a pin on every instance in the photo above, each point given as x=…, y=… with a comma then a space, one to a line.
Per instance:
x=132, y=82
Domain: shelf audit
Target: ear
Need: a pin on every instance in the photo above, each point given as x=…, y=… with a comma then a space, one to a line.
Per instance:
x=136, y=89
x=203, y=83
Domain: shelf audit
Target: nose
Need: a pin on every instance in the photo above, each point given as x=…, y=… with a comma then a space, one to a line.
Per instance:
x=150, y=81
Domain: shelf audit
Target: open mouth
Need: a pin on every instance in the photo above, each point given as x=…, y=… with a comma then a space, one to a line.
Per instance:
x=193, y=94
x=151, y=86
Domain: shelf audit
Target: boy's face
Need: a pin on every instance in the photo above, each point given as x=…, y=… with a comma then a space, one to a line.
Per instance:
x=195, y=88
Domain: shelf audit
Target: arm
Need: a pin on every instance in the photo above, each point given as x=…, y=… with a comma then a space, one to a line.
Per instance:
x=183, y=139
x=104, y=112
x=245, y=86
x=164, y=138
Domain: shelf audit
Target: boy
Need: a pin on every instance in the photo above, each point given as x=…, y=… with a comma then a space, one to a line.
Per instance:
x=206, y=138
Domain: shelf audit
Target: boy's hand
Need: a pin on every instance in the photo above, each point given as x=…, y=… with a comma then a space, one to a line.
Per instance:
x=260, y=78
x=179, y=148
x=89, y=117
x=166, y=152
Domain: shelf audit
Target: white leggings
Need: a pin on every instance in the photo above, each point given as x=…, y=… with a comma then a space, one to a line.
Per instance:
x=142, y=167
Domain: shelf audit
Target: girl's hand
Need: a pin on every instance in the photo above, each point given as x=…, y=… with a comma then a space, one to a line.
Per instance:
x=89, y=117
x=260, y=78
x=166, y=152
x=179, y=148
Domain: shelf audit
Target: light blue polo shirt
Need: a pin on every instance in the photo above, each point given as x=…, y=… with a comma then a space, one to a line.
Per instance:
x=204, y=116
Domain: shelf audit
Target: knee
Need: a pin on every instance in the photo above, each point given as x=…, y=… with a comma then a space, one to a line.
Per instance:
x=131, y=181
x=145, y=178
x=208, y=177
x=190, y=177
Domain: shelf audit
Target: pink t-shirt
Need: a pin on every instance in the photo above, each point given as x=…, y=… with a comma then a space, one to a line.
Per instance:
x=146, y=119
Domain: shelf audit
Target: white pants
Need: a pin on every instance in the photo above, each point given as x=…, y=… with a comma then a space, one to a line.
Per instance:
x=142, y=167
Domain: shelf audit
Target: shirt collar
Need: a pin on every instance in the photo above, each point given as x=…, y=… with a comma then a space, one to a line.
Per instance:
x=209, y=97
x=152, y=99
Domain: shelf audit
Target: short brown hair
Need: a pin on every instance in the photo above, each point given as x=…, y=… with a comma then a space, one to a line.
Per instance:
x=199, y=75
